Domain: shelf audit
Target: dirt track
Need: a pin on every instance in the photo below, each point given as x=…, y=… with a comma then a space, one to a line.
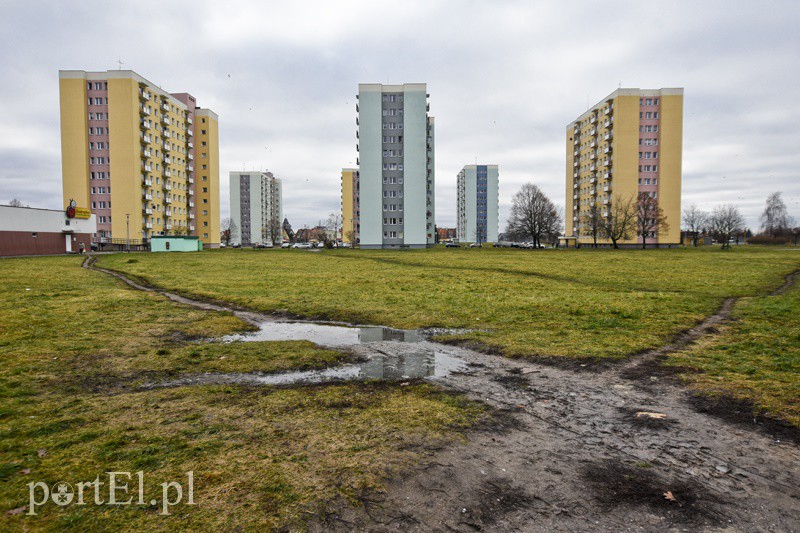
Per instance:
x=567, y=451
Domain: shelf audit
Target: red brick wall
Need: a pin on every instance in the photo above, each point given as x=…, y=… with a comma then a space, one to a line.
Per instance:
x=24, y=243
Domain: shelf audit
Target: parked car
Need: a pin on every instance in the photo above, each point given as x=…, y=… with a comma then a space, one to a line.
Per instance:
x=451, y=245
x=301, y=245
x=286, y=245
x=236, y=246
x=263, y=245
x=475, y=245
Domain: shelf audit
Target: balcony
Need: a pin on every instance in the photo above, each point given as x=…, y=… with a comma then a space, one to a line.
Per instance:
x=575, y=164
x=575, y=152
x=147, y=182
x=575, y=207
x=167, y=185
x=190, y=167
x=191, y=204
x=191, y=181
x=166, y=145
x=165, y=134
x=607, y=136
x=147, y=210
x=189, y=120
x=575, y=174
x=607, y=175
x=146, y=153
x=167, y=160
x=608, y=110
x=167, y=226
x=606, y=201
x=165, y=106
x=575, y=186
x=191, y=192
x=607, y=149
x=593, y=180
x=145, y=139
x=191, y=216
x=143, y=95
x=593, y=155
x=593, y=191
x=607, y=161
x=607, y=188
x=191, y=157
x=167, y=200
x=608, y=123
x=592, y=144
x=592, y=168
x=144, y=111
x=605, y=214
x=575, y=143
x=167, y=173
x=147, y=196
x=592, y=119
x=168, y=212
x=191, y=227
x=165, y=121
x=190, y=133
x=575, y=219
x=146, y=124
x=574, y=196
x=148, y=168
x=190, y=144
x=593, y=131
x=148, y=225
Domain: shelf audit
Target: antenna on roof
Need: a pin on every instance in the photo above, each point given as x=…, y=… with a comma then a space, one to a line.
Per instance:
x=120, y=63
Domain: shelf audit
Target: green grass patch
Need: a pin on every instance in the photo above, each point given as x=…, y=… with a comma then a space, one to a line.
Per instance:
x=577, y=303
x=73, y=345
x=756, y=357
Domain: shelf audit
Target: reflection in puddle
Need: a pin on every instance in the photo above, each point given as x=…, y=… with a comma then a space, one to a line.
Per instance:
x=410, y=365
x=325, y=335
x=391, y=355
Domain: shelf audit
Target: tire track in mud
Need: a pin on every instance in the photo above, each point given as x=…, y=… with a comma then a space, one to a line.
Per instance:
x=579, y=456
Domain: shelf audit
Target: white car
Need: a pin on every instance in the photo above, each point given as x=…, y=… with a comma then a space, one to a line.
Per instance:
x=286, y=245
x=300, y=245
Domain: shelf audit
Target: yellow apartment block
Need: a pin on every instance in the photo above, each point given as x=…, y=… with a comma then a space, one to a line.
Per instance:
x=629, y=143
x=350, y=205
x=145, y=161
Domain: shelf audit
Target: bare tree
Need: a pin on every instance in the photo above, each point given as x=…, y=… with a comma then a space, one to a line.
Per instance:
x=775, y=220
x=620, y=224
x=695, y=221
x=650, y=217
x=533, y=214
x=726, y=221
x=15, y=202
x=274, y=231
x=592, y=221
x=228, y=228
x=334, y=224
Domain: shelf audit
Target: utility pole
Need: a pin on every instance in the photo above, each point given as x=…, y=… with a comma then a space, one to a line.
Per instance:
x=128, y=231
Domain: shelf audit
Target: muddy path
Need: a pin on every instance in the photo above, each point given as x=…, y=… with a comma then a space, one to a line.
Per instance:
x=622, y=448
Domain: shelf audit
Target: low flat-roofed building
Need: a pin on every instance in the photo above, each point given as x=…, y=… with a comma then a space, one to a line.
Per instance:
x=33, y=231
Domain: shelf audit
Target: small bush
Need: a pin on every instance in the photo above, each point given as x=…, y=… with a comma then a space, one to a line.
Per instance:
x=769, y=239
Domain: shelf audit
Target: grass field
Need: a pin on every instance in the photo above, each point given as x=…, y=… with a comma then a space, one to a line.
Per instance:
x=755, y=358
x=73, y=345
x=600, y=304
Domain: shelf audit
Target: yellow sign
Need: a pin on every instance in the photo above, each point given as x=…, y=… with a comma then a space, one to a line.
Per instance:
x=82, y=212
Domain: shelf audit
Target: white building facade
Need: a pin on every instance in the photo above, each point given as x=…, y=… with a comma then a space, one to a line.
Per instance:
x=256, y=208
x=478, y=191
x=395, y=197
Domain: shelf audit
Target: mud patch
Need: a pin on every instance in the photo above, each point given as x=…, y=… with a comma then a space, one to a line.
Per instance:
x=615, y=484
x=744, y=413
x=493, y=501
x=513, y=379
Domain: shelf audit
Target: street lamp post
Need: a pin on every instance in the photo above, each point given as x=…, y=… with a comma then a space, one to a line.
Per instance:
x=128, y=232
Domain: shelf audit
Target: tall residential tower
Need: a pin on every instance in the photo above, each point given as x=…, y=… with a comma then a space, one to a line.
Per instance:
x=350, y=205
x=395, y=195
x=256, y=208
x=145, y=161
x=478, y=191
x=628, y=143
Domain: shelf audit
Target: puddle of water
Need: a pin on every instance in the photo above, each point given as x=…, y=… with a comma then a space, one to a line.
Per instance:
x=396, y=367
x=326, y=335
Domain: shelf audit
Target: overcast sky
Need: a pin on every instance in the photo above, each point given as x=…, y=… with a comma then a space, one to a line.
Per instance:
x=505, y=78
